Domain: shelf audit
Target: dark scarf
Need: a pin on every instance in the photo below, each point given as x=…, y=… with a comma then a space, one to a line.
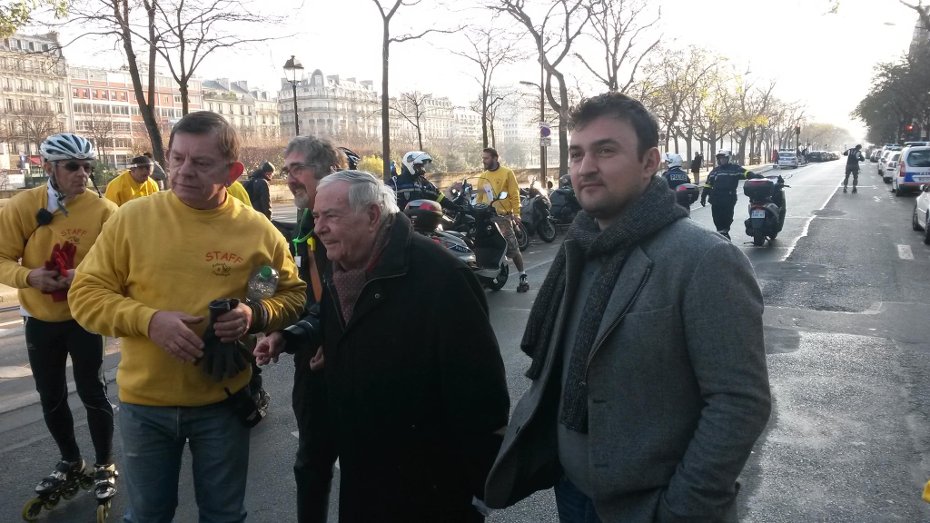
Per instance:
x=349, y=283
x=650, y=213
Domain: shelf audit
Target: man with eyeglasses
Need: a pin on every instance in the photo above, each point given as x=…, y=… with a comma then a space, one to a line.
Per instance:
x=307, y=160
x=51, y=229
x=134, y=183
x=177, y=296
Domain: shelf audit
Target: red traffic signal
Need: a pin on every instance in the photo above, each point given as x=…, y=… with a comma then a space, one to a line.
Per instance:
x=909, y=127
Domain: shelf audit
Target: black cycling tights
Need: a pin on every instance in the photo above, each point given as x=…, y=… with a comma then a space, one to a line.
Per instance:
x=49, y=345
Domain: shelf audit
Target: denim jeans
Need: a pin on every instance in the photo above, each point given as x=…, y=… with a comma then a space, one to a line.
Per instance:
x=153, y=442
x=573, y=505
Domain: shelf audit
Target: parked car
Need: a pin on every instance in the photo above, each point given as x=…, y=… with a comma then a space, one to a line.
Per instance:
x=913, y=170
x=884, y=158
x=874, y=156
x=921, y=217
x=891, y=166
x=787, y=159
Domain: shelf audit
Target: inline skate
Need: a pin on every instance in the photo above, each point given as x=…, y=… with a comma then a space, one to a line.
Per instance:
x=104, y=489
x=63, y=482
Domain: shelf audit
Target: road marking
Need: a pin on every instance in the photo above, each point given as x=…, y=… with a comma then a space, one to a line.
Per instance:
x=807, y=224
x=7, y=373
x=13, y=322
x=904, y=252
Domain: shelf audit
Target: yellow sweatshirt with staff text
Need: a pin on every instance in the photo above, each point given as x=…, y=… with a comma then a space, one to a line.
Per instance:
x=21, y=237
x=191, y=257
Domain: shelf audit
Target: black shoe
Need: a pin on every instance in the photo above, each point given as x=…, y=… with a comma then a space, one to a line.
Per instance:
x=844, y=189
x=523, y=286
x=854, y=190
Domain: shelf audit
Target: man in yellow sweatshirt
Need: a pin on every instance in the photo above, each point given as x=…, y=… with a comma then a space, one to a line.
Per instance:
x=153, y=290
x=51, y=228
x=134, y=183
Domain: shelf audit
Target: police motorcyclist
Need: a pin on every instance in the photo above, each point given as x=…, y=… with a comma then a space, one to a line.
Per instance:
x=411, y=184
x=676, y=176
x=720, y=187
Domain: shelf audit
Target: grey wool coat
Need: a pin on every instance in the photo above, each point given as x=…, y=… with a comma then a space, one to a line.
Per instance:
x=677, y=386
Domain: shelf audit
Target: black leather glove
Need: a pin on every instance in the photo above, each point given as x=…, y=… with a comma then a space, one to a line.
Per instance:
x=222, y=360
x=704, y=198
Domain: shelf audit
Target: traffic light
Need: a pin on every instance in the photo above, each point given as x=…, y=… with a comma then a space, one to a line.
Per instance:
x=797, y=129
x=909, y=127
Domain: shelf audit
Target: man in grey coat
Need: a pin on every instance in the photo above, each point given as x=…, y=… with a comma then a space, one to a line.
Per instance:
x=649, y=376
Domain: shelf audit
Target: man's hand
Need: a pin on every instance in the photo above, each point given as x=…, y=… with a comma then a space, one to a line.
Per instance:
x=232, y=325
x=46, y=280
x=269, y=348
x=317, y=362
x=169, y=330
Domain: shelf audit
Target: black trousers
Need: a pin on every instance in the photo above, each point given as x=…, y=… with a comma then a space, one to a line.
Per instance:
x=49, y=344
x=722, y=211
x=313, y=467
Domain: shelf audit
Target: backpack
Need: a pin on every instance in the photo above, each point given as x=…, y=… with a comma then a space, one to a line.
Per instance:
x=249, y=186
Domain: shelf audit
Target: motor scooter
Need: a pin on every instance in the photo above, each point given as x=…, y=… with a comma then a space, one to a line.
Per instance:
x=535, y=213
x=474, y=222
x=767, y=208
x=564, y=203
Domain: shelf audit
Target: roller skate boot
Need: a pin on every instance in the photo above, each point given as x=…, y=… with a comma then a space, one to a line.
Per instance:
x=63, y=482
x=104, y=489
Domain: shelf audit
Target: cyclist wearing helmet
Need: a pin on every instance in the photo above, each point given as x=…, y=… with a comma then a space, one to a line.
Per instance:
x=51, y=228
x=720, y=187
x=411, y=184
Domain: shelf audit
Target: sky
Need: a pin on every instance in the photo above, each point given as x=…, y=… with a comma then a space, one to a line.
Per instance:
x=824, y=61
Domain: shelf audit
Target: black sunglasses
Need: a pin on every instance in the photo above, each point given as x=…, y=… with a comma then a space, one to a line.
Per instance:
x=73, y=166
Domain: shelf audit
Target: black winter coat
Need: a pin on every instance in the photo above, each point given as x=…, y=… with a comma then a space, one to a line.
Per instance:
x=416, y=387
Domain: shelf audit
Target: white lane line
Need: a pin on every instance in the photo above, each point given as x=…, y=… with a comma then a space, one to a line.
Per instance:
x=904, y=252
x=807, y=224
x=13, y=322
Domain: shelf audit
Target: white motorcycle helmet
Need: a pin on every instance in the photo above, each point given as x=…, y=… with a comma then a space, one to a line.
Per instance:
x=725, y=155
x=672, y=160
x=414, y=158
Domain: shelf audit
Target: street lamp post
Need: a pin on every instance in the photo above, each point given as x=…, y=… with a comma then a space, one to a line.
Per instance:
x=542, y=120
x=292, y=66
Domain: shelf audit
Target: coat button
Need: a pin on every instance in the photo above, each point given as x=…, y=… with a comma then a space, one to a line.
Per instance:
x=377, y=295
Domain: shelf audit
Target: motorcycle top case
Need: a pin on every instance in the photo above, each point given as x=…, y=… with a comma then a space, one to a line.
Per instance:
x=759, y=189
x=692, y=191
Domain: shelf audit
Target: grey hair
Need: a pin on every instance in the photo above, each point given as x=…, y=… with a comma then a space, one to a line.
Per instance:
x=365, y=190
x=317, y=154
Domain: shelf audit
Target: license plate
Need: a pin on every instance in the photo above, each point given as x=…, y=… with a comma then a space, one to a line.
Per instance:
x=757, y=213
x=921, y=179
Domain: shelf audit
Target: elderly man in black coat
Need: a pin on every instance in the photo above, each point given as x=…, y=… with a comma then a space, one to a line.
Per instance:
x=417, y=394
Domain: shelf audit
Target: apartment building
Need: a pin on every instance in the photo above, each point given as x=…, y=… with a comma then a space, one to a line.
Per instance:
x=254, y=113
x=330, y=106
x=33, y=97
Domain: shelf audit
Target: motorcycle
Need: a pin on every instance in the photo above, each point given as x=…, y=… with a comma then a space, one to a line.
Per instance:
x=474, y=222
x=564, y=203
x=535, y=213
x=428, y=219
x=767, y=208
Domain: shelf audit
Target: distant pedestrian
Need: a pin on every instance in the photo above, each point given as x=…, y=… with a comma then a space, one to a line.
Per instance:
x=133, y=183
x=696, y=163
x=259, y=190
x=854, y=156
x=159, y=175
x=649, y=383
x=775, y=156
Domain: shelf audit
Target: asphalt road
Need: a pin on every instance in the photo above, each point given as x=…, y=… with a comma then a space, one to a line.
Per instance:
x=846, y=294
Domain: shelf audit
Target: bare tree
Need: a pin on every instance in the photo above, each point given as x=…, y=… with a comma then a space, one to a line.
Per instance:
x=120, y=20
x=387, y=10
x=101, y=131
x=414, y=108
x=32, y=124
x=188, y=31
x=923, y=11
x=615, y=26
x=492, y=48
x=560, y=27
